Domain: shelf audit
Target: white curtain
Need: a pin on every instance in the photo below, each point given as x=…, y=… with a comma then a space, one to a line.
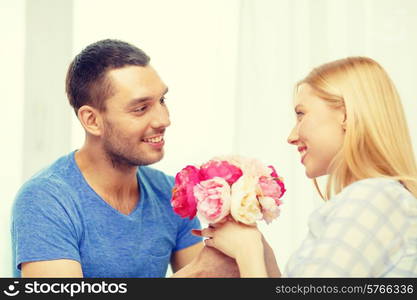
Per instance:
x=279, y=42
x=230, y=66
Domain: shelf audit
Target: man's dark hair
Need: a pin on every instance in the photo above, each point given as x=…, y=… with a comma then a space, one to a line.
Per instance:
x=86, y=81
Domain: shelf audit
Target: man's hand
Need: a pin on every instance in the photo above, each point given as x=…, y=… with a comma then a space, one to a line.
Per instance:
x=183, y=257
x=210, y=263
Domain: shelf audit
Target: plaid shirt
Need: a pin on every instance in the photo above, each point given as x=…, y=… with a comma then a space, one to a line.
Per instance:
x=367, y=230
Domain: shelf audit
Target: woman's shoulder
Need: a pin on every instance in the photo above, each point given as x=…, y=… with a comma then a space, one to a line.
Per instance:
x=383, y=194
x=373, y=183
x=371, y=186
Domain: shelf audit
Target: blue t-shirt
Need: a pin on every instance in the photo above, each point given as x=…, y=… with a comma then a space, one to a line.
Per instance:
x=57, y=215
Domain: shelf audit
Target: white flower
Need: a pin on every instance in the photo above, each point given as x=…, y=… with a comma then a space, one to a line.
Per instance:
x=245, y=207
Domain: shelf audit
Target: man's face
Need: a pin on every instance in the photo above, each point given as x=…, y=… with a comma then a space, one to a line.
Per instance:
x=136, y=117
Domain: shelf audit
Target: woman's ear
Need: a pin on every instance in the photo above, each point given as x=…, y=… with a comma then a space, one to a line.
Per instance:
x=342, y=117
x=344, y=124
x=90, y=119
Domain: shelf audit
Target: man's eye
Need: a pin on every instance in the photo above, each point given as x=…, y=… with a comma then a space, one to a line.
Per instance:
x=162, y=100
x=299, y=113
x=141, y=109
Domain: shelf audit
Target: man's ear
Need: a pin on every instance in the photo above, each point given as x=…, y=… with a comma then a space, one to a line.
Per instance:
x=91, y=120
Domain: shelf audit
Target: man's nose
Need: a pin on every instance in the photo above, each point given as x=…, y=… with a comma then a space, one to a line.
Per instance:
x=161, y=117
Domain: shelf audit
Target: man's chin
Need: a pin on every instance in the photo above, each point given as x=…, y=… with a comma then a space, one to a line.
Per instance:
x=151, y=159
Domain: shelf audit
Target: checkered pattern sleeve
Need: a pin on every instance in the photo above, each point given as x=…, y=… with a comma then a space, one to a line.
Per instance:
x=368, y=230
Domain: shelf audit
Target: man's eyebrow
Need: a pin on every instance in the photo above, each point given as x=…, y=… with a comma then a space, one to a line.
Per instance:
x=137, y=101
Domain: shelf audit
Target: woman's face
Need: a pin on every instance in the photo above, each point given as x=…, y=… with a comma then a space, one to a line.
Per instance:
x=318, y=133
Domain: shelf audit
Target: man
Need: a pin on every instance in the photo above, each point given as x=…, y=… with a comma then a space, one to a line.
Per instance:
x=99, y=211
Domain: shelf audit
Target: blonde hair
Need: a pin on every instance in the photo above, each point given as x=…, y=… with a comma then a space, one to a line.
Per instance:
x=377, y=141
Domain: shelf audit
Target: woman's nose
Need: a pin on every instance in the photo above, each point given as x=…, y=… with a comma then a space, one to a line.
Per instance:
x=293, y=137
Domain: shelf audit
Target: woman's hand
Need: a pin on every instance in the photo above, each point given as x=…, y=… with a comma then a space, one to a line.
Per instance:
x=242, y=242
x=231, y=237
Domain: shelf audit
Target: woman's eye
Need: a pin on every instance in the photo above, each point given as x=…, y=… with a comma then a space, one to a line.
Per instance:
x=162, y=100
x=299, y=113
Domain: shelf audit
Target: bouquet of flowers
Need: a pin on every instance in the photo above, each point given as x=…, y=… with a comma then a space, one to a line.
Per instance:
x=235, y=185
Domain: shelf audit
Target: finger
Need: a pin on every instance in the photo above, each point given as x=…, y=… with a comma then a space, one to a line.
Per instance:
x=222, y=221
x=207, y=232
x=225, y=219
x=215, y=225
x=209, y=242
x=196, y=232
x=252, y=225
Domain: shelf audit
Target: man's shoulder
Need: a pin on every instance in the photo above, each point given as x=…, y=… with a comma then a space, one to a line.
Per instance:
x=157, y=184
x=156, y=176
x=50, y=180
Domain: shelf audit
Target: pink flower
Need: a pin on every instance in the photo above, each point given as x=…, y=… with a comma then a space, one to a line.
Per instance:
x=213, y=199
x=269, y=187
x=249, y=166
x=278, y=180
x=270, y=209
x=183, y=200
x=220, y=168
x=242, y=187
x=282, y=186
x=273, y=172
x=270, y=191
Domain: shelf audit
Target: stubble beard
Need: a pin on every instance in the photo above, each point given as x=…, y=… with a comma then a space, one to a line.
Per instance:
x=120, y=151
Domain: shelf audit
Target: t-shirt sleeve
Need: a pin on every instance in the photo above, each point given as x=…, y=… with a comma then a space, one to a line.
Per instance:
x=184, y=236
x=42, y=228
x=362, y=236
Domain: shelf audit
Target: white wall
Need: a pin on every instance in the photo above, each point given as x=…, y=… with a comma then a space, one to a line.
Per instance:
x=12, y=28
x=230, y=66
x=193, y=45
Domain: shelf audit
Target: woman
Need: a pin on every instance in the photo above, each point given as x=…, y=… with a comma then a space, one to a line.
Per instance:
x=350, y=126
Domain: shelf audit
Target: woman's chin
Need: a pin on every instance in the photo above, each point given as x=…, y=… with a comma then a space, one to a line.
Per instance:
x=309, y=175
x=314, y=173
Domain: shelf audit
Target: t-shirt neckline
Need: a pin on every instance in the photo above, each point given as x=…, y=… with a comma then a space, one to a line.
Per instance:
x=139, y=204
